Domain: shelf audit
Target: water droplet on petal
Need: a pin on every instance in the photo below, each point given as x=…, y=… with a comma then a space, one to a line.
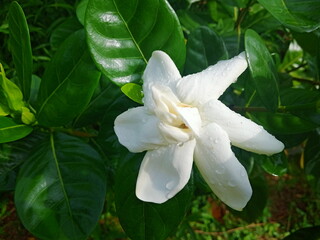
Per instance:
x=180, y=144
x=220, y=170
x=243, y=173
x=232, y=183
x=170, y=185
x=216, y=141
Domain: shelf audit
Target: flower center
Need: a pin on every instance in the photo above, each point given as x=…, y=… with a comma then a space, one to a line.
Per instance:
x=179, y=122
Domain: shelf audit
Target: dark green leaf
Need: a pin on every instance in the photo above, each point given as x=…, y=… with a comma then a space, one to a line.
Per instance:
x=282, y=123
x=263, y=71
x=105, y=95
x=142, y=220
x=20, y=47
x=122, y=34
x=133, y=91
x=12, y=155
x=11, y=131
x=300, y=15
x=312, y=155
x=61, y=189
x=310, y=233
x=63, y=31
x=302, y=103
x=107, y=137
x=68, y=83
x=276, y=164
x=204, y=48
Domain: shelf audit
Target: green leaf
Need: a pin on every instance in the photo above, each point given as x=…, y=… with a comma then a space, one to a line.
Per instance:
x=143, y=220
x=63, y=31
x=122, y=34
x=133, y=91
x=61, y=189
x=11, y=95
x=12, y=155
x=81, y=10
x=68, y=83
x=302, y=103
x=310, y=233
x=282, y=123
x=11, y=131
x=20, y=47
x=263, y=71
x=276, y=164
x=204, y=48
x=104, y=95
x=299, y=15
x=312, y=155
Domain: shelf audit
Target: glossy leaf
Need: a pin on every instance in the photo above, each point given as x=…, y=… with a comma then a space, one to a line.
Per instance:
x=20, y=47
x=282, y=123
x=68, y=83
x=276, y=164
x=10, y=93
x=122, y=34
x=11, y=131
x=143, y=220
x=61, y=189
x=263, y=71
x=133, y=91
x=204, y=48
x=81, y=10
x=300, y=15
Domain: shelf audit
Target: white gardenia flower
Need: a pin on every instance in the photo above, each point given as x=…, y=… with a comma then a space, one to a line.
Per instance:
x=182, y=120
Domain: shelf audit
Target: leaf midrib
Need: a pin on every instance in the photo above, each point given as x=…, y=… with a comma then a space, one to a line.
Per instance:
x=129, y=31
x=56, y=161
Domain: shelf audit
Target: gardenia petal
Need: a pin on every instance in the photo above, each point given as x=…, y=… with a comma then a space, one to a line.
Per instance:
x=160, y=70
x=242, y=132
x=199, y=88
x=220, y=168
x=164, y=172
x=138, y=130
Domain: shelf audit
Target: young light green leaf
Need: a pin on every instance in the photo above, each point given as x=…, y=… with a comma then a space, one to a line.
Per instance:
x=299, y=15
x=133, y=91
x=263, y=71
x=68, y=83
x=61, y=189
x=143, y=220
x=13, y=98
x=122, y=34
x=20, y=47
x=12, y=131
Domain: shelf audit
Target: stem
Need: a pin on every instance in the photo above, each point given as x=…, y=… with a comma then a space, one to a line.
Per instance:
x=73, y=132
x=306, y=81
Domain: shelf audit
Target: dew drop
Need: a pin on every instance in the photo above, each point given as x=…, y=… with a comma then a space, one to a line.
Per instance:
x=216, y=141
x=170, y=185
x=220, y=170
x=231, y=183
x=180, y=144
x=243, y=173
